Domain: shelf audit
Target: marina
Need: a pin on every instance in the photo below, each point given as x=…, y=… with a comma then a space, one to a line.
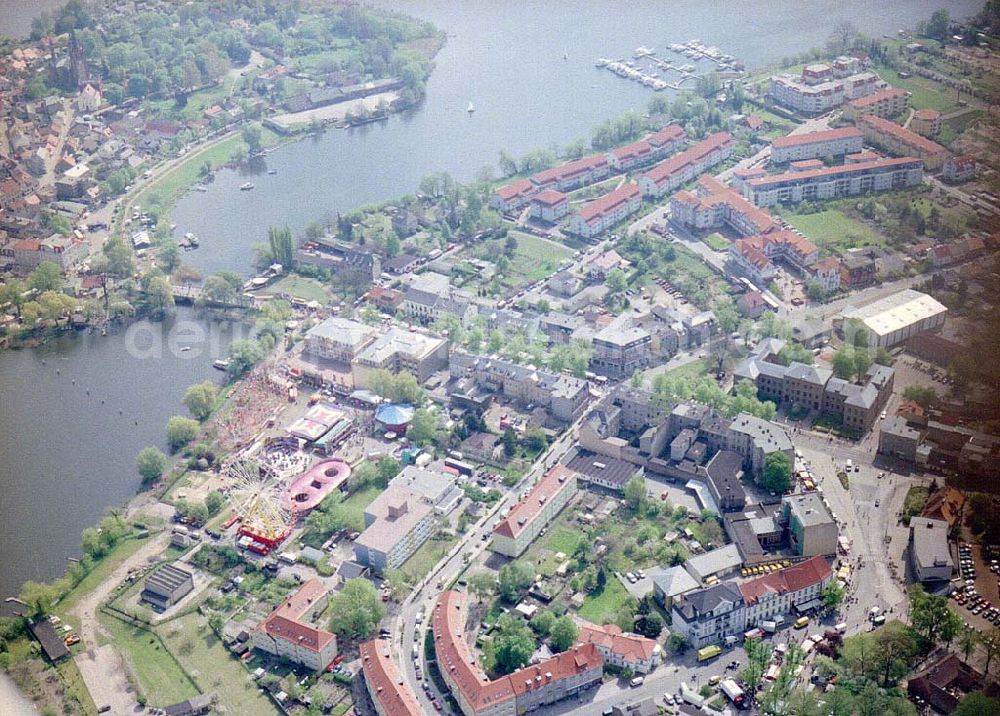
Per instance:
x=653, y=73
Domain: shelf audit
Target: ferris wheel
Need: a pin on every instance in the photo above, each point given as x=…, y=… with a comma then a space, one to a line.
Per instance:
x=256, y=497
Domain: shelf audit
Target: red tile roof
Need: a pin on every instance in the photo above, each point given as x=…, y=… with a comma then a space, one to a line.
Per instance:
x=518, y=187
x=385, y=682
x=549, y=197
x=522, y=513
x=461, y=670
x=609, y=202
x=670, y=133
x=712, y=191
x=927, y=115
x=828, y=135
x=911, y=139
x=792, y=579
x=860, y=167
x=635, y=149
x=569, y=170
x=875, y=98
x=692, y=155
x=630, y=647
x=285, y=621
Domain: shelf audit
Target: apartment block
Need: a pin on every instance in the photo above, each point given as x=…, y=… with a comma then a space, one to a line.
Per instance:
x=397, y=523
x=287, y=633
x=338, y=339
x=835, y=182
x=389, y=692
x=526, y=519
x=604, y=212
x=618, y=351
x=898, y=140
x=796, y=589
x=816, y=145
x=685, y=166
x=707, y=616
x=398, y=350
x=886, y=103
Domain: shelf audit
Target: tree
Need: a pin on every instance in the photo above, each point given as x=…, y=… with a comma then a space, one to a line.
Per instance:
x=563, y=633
x=977, y=704
x=931, y=618
x=423, y=428
x=635, y=492
x=200, y=399
x=844, y=362
x=615, y=282
x=214, y=502
x=281, y=245
x=758, y=655
x=181, y=431
x=832, y=595
x=726, y=315
x=968, y=639
x=991, y=645
x=650, y=625
x=13, y=292
x=47, y=276
x=862, y=362
x=677, y=643
x=509, y=442
x=543, y=622
x=515, y=577
x=511, y=648
x=842, y=36
x=777, y=474
x=243, y=355
x=937, y=26
x=357, y=609
x=482, y=584
x=121, y=258
x=150, y=462
x=168, y=255
x=38, y=598
x=251, y=136
x=924, y=395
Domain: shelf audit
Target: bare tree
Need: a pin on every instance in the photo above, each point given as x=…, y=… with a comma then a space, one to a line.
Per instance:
x=842, y=35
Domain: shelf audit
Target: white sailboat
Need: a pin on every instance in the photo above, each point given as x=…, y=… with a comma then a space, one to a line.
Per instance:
x=471, y=108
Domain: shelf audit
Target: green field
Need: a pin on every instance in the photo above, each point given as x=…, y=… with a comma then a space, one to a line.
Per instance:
x=537, y=258
x=716, y=241
x=834, y=231
x=308, y=289
x=563, y=540
x=916, y=498
x=360, y=499
x=424, y=559
x=97, y=575
x=212, y=668
x=161, y=679
x=689, y=371
x=598, y=604
x=196, y=103
x=926, y=94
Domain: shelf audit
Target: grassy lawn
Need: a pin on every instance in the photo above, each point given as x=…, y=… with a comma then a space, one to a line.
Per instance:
x=97, y=575
x=212, y=668
x=307, y=289
x=161, y=679
x=834, y=231
x=716, y=241
x=597, y=604
x=196, y=103
x=563, y=540
x=76, y=690
x=359, y=500
x=927, y=94
x=916, y=498
x=536, y=258
x=689, y=371
x=424, y=559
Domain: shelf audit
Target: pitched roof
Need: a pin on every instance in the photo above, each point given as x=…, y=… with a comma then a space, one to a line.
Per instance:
x=787, y=581
x=673, y=165
x=521, y=514
x=609, y=202
x=907, y=137
x=630, y=647
x=285, y=621
x=549, y=197
x=385, y=683
x=518, y=187
x=945, y=504
x=828, y=135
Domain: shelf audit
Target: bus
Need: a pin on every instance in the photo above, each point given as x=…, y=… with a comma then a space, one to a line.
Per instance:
x=709, y=652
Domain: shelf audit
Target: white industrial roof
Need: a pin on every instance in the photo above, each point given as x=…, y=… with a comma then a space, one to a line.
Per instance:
x=897, y=311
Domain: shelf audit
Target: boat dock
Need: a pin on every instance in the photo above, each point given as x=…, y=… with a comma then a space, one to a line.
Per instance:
x=650, y=75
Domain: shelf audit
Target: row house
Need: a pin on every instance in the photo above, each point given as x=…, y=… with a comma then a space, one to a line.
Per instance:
x=886, y=103
x=287, y=633
x=816, y=145
x=527, y=518
x=559, y=677
x=389, y=692
x=794, y=589
x=654, y=147
x=603, y=213
x=572, y=175
x=898, y=140
x=685, y=166
x=636, y=653
x=711, y=204
x=835, y=182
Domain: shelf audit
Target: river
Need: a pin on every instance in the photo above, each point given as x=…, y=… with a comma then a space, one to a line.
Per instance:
x=67, y=457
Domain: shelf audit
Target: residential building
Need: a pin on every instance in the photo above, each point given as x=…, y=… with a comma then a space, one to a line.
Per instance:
x=835, y=182
x=898, y=440
x=549, y=205
x=349, y=264
x=945, y=503
x=564, y=283
x=755, y=256
x=619, y=350
x=526, y=519
x=895, y=318
x=513, y=196
x=398, y=350
x=287, y=633
x=650, y=149
x=51, y=643
x=711, y=204
x=707, y=616
x=816, y=145
x=670, y=583
x=827, y=274
x=389, y=692
x=397, y=523
x=65, y=251
x=603, y=264
x=724, y=472
x=895, y=139
x=527, y=689
x=564, y=396
x=338, y=339
x=858, y=270
x=437, y=488
x=886, y=103
x=797, y=589
x=812, y=531
x=686, y=165
x=926, y=122
x=166, y=586
x=930, y=553
x=756, y=439
x=200, y=704
x=482, y=447
x=959, y=169
x=625, y=650
x=604, y=212
x=822, y=87
x=572, y=175
x=944, y=681
x=431, y=296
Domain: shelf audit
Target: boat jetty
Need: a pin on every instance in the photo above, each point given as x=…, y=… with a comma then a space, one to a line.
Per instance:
x=660, y=74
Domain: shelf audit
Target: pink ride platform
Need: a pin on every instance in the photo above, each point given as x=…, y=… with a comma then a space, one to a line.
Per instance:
x=308, y=489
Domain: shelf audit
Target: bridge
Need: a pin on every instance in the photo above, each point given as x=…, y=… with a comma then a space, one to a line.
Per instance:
x=190, y=295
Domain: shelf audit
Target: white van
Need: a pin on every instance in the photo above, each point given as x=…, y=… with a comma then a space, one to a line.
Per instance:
x=637, y=681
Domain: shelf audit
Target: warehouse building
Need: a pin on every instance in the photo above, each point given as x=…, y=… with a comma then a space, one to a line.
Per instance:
x=895, y=318
x=167, y=586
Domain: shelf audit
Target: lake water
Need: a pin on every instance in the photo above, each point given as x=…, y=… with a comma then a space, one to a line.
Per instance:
x=66, y=456
x=507, y=59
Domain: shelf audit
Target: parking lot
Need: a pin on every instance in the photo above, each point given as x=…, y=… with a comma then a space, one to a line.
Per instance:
x=977, y=597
